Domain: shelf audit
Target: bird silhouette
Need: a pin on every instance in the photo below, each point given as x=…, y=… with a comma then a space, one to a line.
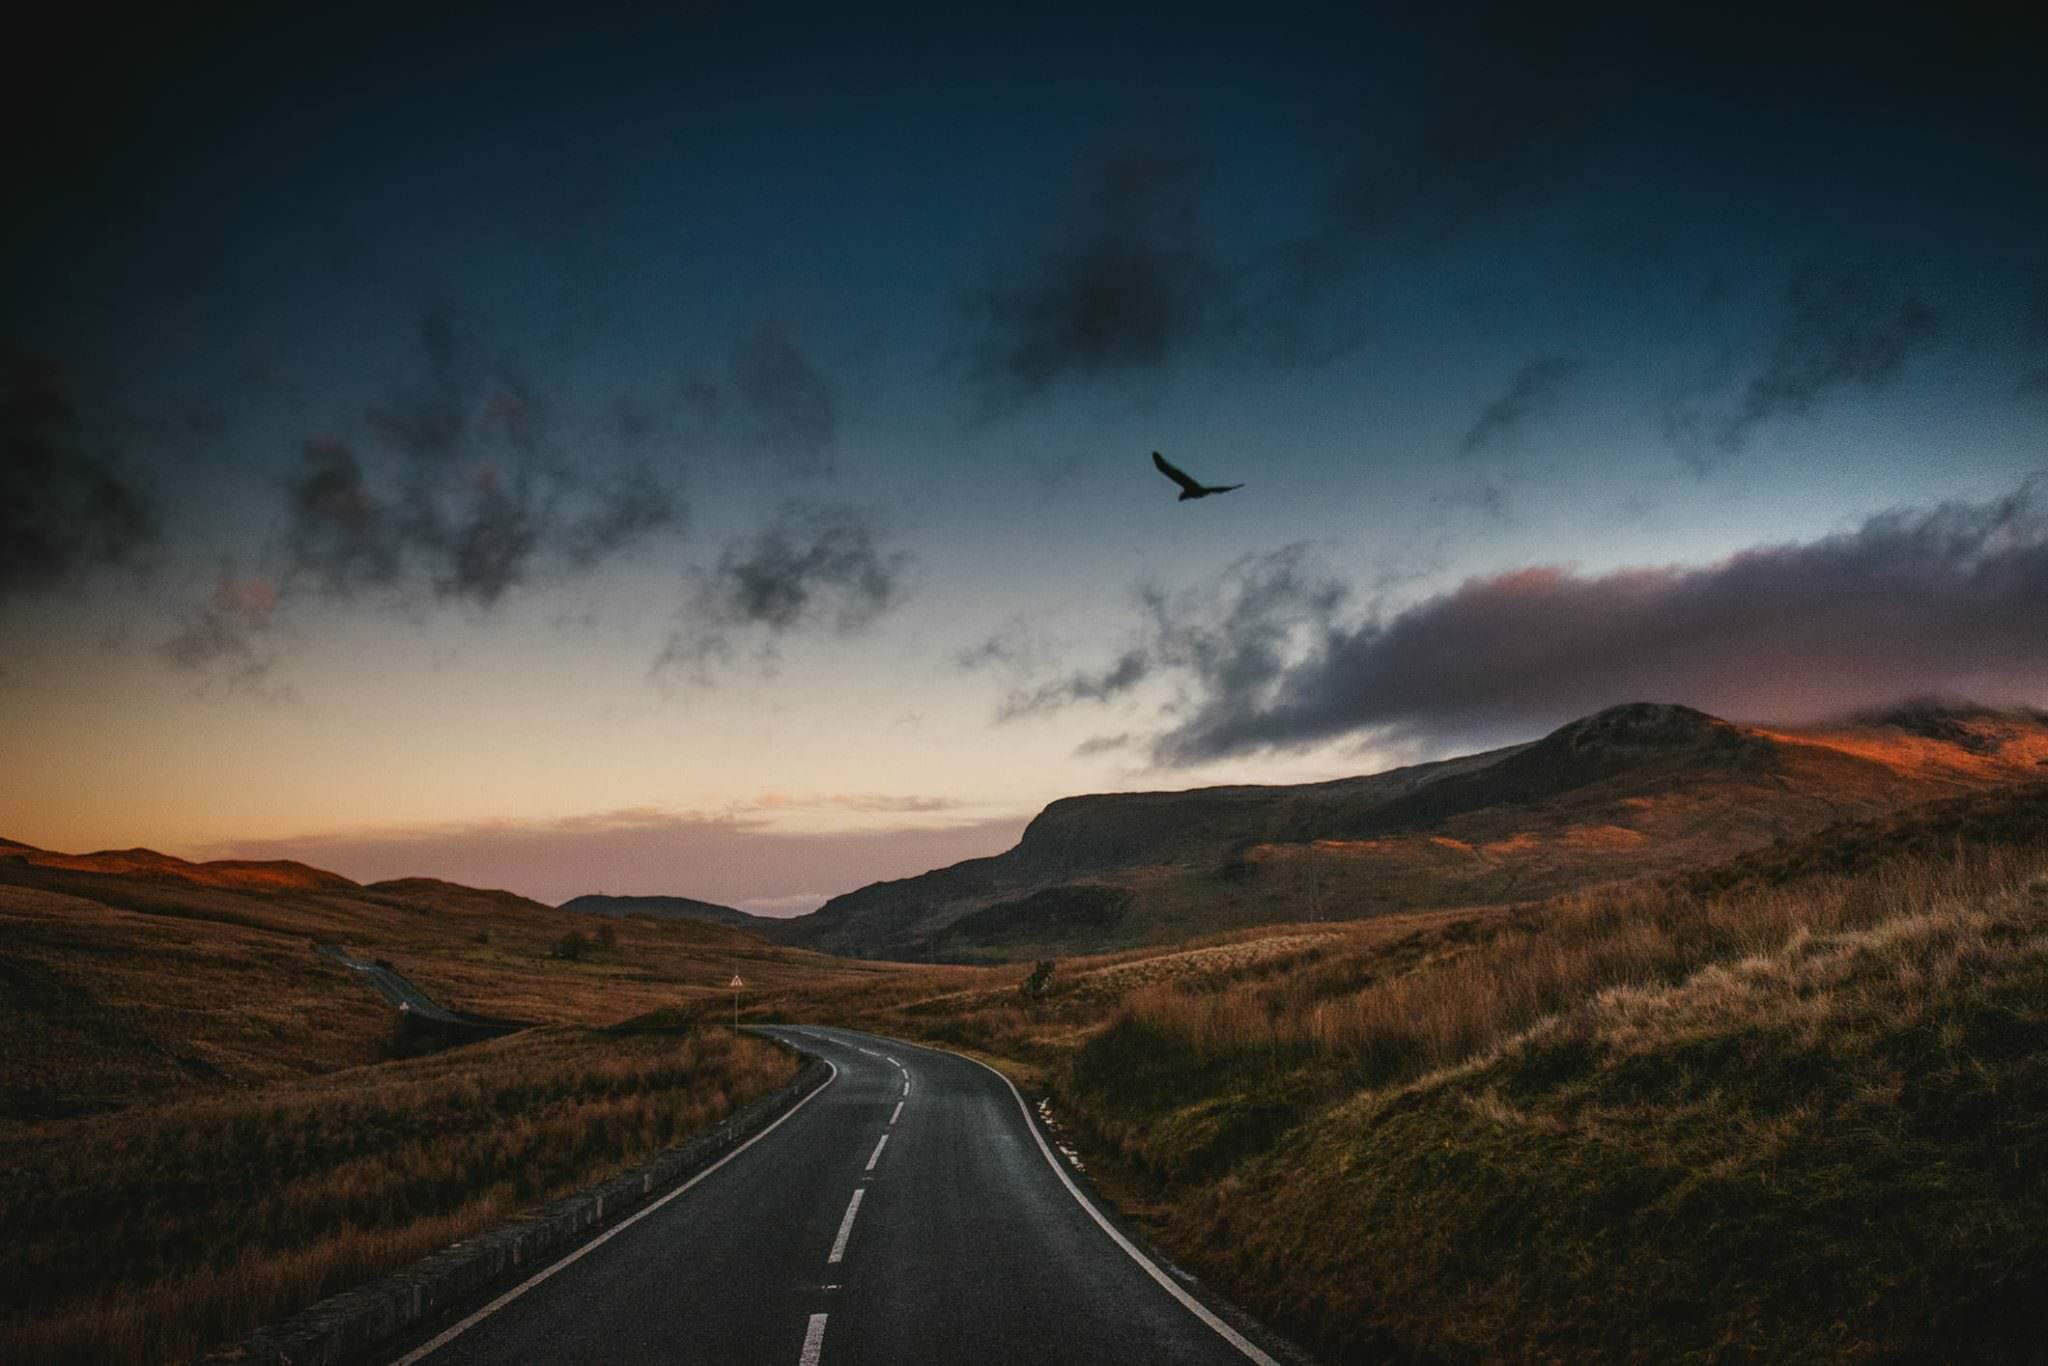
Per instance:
x=1189, y=488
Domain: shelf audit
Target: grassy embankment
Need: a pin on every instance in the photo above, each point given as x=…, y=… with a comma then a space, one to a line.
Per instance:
x=1793, y=1108
x=150, y=1233
x=202, y=1127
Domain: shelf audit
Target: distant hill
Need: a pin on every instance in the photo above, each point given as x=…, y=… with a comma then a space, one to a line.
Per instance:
x=249, y=874
x=435, y=894
x=676, y=908
x=130, y=976
x=1636, y=788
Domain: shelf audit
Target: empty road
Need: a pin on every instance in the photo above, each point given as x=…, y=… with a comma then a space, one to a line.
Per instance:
x=905, y=1212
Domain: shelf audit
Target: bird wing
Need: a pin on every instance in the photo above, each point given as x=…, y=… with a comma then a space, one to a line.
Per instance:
x=1223, y=488
x=1177, y=475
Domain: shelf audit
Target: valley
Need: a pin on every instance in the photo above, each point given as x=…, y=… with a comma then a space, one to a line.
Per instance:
x=1403, y=1064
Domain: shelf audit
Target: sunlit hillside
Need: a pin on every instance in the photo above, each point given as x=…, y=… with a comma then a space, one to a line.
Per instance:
x=1783, y=1107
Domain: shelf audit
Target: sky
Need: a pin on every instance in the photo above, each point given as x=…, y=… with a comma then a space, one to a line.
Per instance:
x=706, y=450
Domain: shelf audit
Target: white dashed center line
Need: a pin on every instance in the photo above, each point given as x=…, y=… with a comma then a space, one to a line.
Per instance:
x=876, y=1155
x=845, y=1231
x=906, y=1086
x=814, y=1341
x=899, y=1112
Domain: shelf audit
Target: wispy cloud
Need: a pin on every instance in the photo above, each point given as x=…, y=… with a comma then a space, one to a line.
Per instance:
x=1837, y=329
x=788, y=403
x=866, y=803
x=1224, y=644
x=814, y=566
x=1533, y=392
x=232, y=638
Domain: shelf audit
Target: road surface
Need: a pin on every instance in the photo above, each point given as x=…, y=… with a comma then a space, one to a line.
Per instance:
x=906, y=1212
x=394, y=987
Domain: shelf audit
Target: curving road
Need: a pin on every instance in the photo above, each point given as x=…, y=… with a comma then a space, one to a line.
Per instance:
x=908, y=1211
x=392, y=986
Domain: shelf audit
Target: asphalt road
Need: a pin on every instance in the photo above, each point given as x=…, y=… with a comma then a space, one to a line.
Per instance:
x=393, y=987
x=906, y=1212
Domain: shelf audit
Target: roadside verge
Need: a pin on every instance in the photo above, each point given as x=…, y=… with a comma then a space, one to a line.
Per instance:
x=344, y=1328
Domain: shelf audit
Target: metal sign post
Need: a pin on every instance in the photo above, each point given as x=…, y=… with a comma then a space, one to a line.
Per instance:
x=736, y=985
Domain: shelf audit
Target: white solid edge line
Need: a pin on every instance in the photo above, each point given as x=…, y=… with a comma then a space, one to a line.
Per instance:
x=814, y=1341
x=846, y=1226
x=876, y=1155
x=1150, y=1267
x=448, y=1335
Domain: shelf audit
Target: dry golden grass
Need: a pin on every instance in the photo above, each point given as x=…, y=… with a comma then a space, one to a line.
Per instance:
x=116, y=990
x=102, y=1007
x=152, y=1233
x=1830, y=1148
x=1464, y=997
x=202, y=1127
x=1791, y=1108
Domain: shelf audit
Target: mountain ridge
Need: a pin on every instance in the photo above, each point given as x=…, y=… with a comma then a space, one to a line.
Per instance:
x=1635, y=787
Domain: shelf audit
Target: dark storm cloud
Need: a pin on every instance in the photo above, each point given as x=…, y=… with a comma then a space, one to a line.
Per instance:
x=1534, y=391
x=489, y=548
x=787, y=401
x=1933, y=600
x=65, y=511
x=340, y=531
x=1127, y=286
x=815, y=566
x=471, y=498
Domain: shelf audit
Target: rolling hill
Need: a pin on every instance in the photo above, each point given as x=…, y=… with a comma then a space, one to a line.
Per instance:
x=1636, y=788
x=675, y=908
x=134, y=977
x=148, y=863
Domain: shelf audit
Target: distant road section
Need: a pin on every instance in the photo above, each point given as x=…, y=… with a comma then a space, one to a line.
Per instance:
x=909, y=1212
x=394, y=987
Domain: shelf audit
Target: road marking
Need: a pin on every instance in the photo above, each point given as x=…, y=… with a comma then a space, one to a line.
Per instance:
x=845, y=1228
x=435, y=1344
x=906, y=1086
x=814, y=1341
x=899, y=1113
x=1151, y=1268
x=894, y=1063
x=876, y=1155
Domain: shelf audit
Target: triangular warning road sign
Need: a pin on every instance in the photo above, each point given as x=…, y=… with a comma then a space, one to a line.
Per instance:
x=736, y=983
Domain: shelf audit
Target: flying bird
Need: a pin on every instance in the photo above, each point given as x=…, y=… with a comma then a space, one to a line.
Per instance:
x=1189, y=488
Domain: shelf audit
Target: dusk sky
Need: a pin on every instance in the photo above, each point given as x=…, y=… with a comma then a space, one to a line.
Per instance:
x=711, y=454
